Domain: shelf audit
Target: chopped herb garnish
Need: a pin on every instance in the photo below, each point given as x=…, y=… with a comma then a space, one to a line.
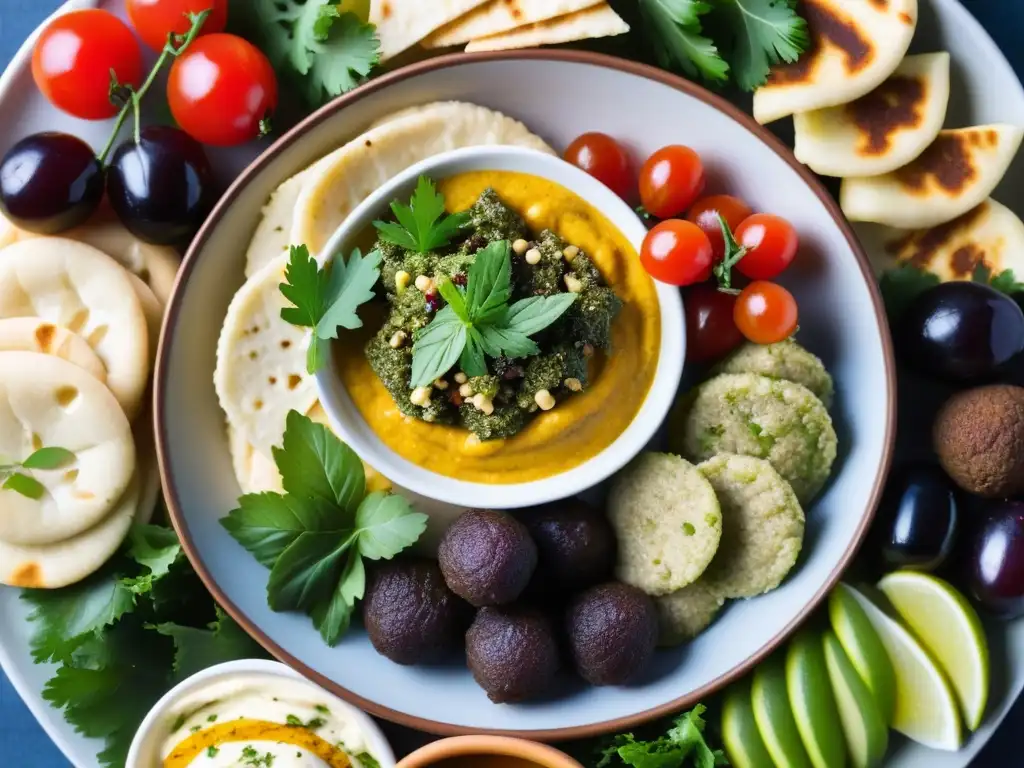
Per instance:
x=422, y=225
x=212, y=751
x=196, y=728
x=322, y=709
x=211, y=719
x=45, y=459
x=293, y=720
x=316, y=722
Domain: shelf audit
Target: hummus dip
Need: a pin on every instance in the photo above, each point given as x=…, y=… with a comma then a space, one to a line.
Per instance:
x=262, y=720
x=578, y=428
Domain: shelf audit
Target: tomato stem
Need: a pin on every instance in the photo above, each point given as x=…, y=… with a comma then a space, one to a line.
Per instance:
x=733, y=254
x=134, y=101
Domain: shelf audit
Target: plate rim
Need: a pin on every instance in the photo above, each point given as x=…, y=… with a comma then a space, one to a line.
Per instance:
x=590, y=58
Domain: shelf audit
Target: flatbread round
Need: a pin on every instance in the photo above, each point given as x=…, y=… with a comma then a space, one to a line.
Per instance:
x=261, y=361
x=362, y=166
x=955, y=174
x=52, y=566
x=403, y=23
x=855, y=46
x=80, y=288
x=146, y=468
x=990, y=235
x=271, y=237
x=8, y=232
x=153, y=311
x=588, y=24
x=33, y=334
x=882, y=131
x=496, y=16
x=48, y=402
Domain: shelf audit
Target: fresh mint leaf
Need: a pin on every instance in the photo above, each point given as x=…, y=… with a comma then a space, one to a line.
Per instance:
x=763, y=33
x=437, y=348
x=198, y=649
x=422, y=225
x=266, y=524
x=307, y=571
x=386, y=525
x=350, y=286
x=306, y=286
x=499, y=341
x=534, y=314
x=49, y=458
x=489, y=285
x=901, y=285
x=472, y=361
x=315, y=464
x=678, y=39
x=25, y=485
x=451, y=294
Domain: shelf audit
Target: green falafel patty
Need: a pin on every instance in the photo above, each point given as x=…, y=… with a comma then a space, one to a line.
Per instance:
x=785, y=360
x=686, y=613
x=752, y=415
x=667, y=522
x=762, y=526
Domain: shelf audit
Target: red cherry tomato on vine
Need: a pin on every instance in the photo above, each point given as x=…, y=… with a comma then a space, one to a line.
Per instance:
x=766, y=313
x=671, y=181
x=705, y=213
x=677, y=252
x=154, y=20
x=74, y=56
x=711, y=331
x=603, y=158
x=771, y=244
x=220, y=89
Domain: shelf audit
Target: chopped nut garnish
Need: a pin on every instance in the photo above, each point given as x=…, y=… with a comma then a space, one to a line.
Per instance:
x=520, y=246
x=483, y=403
x=441, y=384
x=421, y=396
x=573, y=284
x=571, y=252
x=533, y=256
x=461, y=378
x=402, y=280
x=424, y=284
x=574, y=385
x=466, y=390
x=545, y=400
x=588, y=350
x=398, y=339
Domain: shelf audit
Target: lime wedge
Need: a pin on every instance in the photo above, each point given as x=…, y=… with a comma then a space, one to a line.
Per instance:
x=774, y=717
x=814, y=706
x=950, y=629
x=926, y=710
x=864, y=648
x=743, y=742
x=867, y=734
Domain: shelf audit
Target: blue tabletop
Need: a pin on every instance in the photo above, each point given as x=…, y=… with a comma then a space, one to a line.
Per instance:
x=23, y=743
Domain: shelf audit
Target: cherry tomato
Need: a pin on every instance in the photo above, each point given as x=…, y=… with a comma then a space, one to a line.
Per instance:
x=220, y=89
x=74, y=56
x=771, y=244
x=603, y=158
x=154, y=20
x=711, y=331
x=671, y=181
x=705, y=213
x=677, y=252
x=766, y=313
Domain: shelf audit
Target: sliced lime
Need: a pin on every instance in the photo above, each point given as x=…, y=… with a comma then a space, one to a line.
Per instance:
x=743, y=742
x=864, y=648
x=814, y=705
x=774, y=716
x=867, y=734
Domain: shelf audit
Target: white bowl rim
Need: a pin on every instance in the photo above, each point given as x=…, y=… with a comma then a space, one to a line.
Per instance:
x=377, y=743
x=627, y=445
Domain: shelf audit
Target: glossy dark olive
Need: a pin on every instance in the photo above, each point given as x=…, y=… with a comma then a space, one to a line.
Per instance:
x=917, y=522
x=162, y=187
x=50, y=182
x=962, y=332
x=997, y=561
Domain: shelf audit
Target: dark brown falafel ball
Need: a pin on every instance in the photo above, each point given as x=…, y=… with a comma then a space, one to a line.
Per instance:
x=979, y=438
x=575, y=545
x=512, y=653
x=487, y=557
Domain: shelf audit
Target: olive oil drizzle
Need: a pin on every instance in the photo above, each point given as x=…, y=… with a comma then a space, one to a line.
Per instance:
x=255, y=730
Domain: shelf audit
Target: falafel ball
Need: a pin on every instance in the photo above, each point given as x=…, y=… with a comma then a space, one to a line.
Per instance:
x=487, y=557
x=575, y=545
x=512, y=653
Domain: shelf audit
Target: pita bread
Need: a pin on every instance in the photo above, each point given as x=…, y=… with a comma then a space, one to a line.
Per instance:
x=956, y=173
x=403, y=23
x=153, y=311
x=990, y=235
x=364, y=165
x=497, y=16
x=52, y=566
x=271, y=239
x=48, y=402
x=8, y=232
x=80, y=288
x=882, y=131
x=855, y=46
x=599, y=21
x=33, y=334
x=261, y=361
x=255, y=472
x=147, y=469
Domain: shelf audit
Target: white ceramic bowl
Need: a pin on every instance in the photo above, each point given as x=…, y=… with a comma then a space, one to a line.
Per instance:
x=145, y=749
x=351, y=427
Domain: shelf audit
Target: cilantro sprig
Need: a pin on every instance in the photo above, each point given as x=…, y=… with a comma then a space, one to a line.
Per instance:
x=326, y=299
x=26, y=485
x=902, y=284
x=315, y=536
x=422, y=225
x=682, y=746
x=479, y=321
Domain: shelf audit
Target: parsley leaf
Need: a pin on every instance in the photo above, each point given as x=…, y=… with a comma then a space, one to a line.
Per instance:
x=315, y=464
x=305, y=573
x=306, y=286
x=764, y=33
x=422, y=225
x=677, y=37
x=196, y=649
x=386, y=525
x=156, y=549
x=345, y=51
x=267, y=524
x=1004, y=282
x=901, y=285
x=333, y=616
x=350, y=286
x=684, y=745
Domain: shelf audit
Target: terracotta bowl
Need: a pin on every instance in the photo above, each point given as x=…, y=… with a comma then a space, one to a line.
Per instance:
x=531, y=752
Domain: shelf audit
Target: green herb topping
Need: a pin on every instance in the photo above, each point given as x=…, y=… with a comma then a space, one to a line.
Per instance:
x=44, y=458
x=422, y=225
x=684, y=745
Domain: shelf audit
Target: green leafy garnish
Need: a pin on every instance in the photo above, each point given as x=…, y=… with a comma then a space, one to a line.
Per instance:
x=49, y=458
x=314, y=536
x=1005, y=282
x=322, y=51
x=422, y=225
x=679, y=41
x=480, y=322
x=44, y=458
x=196, y=649
x=683, y=746
x=901, y=285
x=326, y=299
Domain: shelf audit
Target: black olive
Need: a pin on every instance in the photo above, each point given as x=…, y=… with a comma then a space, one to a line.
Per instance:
x=917, y=521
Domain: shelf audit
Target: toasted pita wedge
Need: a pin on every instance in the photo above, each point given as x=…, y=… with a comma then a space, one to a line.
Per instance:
x=599, y=21
x=403, y=23
x=990, y=235
x=955, y=174
x=855, y=46
x=882, y=131
x=497, y=16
